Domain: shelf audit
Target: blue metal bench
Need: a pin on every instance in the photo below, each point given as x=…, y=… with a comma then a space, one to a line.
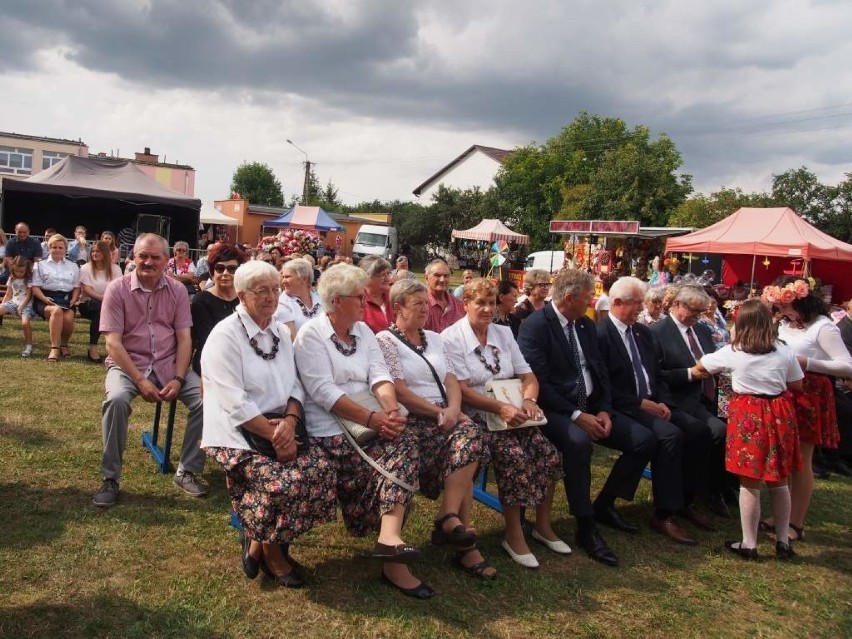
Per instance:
x=150, y=439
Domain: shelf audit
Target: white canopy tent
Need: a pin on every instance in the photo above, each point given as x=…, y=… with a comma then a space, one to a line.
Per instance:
x=211, y=215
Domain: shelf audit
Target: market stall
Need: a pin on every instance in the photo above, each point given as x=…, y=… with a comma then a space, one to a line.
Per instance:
x=759, y=244
x=490, y=245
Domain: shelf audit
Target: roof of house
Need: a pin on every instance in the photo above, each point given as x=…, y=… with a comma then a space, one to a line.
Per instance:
x=498, y=155
x=38, y=138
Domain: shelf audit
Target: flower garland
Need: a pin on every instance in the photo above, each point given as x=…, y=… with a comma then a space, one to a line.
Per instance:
x=786, y=294
x=291, y=241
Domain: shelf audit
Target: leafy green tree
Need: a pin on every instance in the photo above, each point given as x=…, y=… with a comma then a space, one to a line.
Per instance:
x=801, y=190
x=703, y=210
x=595, y=168
x=256, y=182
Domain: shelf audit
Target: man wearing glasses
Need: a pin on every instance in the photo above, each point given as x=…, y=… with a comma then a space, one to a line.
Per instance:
x=146, y=320
x=681, y=341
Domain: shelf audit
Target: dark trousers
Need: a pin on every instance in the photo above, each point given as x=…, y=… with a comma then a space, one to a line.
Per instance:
x=91, y=310
x=701, y=419
x=636, y=443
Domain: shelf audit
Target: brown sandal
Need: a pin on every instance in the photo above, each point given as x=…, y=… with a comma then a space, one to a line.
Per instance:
x=51, y=358
x=63, y=351
x=477, y=570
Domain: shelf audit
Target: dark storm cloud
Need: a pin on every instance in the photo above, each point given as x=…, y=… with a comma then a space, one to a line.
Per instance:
x=697, y=71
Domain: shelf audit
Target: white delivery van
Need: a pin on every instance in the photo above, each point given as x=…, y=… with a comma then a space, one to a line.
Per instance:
x=373, y=239
x=550, y=261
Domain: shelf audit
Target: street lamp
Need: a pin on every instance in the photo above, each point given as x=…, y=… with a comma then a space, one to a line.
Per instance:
x=306, y=189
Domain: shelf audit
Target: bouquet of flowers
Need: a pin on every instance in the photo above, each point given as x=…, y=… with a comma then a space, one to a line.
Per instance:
x=290, y=241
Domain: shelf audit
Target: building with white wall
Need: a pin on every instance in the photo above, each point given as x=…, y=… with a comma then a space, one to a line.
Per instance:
x=476, y=167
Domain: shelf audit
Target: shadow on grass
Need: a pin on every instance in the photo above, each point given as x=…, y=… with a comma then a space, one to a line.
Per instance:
x=101, y=616
x=15, y=429
x=41, y=515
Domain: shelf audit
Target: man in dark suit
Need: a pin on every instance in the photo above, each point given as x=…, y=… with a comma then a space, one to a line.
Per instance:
x=681, y=340
x=560, y=344
x=839, y=460
x=638, y=391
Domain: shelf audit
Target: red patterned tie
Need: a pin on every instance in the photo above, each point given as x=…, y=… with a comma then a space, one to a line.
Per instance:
x=708, y=386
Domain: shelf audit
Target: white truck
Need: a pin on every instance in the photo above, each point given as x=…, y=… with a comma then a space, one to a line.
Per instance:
x=374, y=239
x=550, y=261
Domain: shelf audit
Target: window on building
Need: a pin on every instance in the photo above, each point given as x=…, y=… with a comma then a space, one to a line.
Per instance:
x=16, y=161
x=49, y=158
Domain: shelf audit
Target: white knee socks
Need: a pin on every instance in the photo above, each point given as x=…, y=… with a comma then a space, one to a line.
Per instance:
x=750, y=515
x=779, y=500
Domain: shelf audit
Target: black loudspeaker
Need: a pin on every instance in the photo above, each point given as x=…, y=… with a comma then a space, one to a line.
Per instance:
x=153, y=224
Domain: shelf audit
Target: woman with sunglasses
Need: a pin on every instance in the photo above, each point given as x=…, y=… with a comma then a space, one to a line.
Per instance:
x=211, y=306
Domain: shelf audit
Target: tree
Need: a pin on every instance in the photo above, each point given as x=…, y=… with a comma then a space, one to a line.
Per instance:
x=801, y=190
x=256, y=182
x=704, y=210
x=595, y=168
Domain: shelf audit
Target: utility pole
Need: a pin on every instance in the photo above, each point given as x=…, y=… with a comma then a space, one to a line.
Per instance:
x=306, y=188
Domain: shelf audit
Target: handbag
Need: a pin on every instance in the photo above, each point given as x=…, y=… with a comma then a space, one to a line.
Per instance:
x=359, y=435
x=264, y=446
x=360, y=432
x=511, y=392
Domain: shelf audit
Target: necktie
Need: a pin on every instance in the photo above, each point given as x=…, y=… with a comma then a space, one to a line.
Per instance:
x=708, y=386
x=575, y=356
x=641, y=382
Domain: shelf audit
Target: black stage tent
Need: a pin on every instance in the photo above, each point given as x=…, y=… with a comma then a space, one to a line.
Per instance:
x=101, y=194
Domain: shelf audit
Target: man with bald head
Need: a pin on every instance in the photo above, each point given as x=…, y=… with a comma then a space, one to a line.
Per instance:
x=638, y=391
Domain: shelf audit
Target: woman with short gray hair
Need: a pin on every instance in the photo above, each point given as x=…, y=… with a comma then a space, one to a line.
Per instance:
x=452, y=447
x=652, y=312
x=339, y=358
x=537, y=288
x=182, y=269
x=298, y=303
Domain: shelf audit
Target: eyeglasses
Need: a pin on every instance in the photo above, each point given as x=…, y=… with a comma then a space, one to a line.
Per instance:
x=360, y=297
x=265, y=291
x=268, y=261
x=221, y=268
x=693, y=311
x=542, y=284
x=180, y=250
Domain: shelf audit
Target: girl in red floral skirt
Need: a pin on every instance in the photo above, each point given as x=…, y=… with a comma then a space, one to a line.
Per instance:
x=762, y=443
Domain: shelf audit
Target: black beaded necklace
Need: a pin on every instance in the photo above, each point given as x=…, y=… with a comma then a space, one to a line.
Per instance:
x=393, y=328
x=308, y=313
x=253, y=343
x=342, y=348
x=494, y=351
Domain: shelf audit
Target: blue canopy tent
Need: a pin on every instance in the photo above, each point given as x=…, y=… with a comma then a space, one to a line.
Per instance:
x=309, y=218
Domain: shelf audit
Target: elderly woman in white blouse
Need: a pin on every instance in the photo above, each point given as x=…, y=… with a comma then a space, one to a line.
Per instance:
x=452, y=447
x=252, y=411
x=56, y=290
x=527, y=465
x=298, y=303
x=338, y=356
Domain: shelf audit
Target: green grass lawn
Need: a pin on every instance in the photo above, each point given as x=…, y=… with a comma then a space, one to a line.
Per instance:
x=160, y=564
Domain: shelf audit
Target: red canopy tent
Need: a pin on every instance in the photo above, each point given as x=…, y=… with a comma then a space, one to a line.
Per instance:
x=750, y=238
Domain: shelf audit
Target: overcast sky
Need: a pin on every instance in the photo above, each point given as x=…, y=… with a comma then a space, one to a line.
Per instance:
x=382, y=93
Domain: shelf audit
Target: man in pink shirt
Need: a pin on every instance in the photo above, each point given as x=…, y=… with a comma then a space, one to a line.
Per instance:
x=146, y=319
x=445, y=308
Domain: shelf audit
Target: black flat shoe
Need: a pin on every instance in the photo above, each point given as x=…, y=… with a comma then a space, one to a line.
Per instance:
x=784, y=551
x=421, y=591
x=290, y=580
x=609, y=516
x=746, y=553
x=251, y=566
x=401, y=554
x=94, y=360
x=458, y=536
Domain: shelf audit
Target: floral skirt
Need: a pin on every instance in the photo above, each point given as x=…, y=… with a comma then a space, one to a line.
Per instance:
x=442, y=454
x=365, y=494
x=274, y=501
x=525, y=463
x=762, y=441
x=816, y=415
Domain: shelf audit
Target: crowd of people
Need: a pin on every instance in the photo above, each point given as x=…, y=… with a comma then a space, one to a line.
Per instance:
x=336, y=386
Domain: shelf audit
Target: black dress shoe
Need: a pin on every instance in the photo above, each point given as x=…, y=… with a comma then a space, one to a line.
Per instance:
x=746, y=553
x=421, y=591
x=402, y=553
x=821, y=472
x=840, y=467
x=596, y=547
x=609, y=516
x=715, y=503
x=249, y=563
x=784, y=551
